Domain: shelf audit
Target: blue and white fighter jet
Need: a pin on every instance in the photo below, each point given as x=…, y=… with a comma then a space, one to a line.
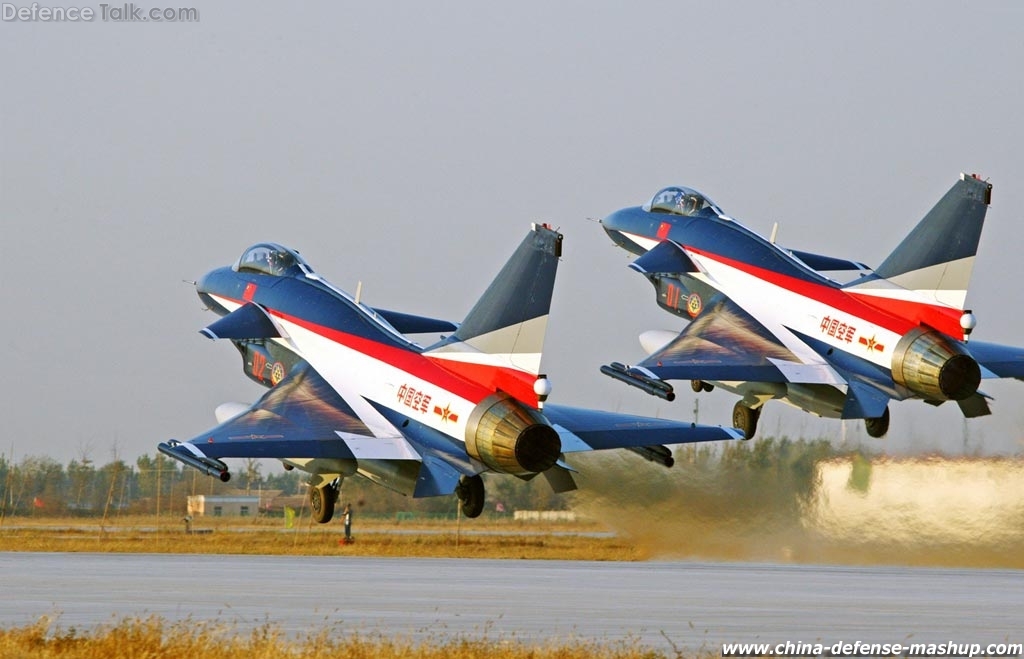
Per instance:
x=766, y=323
x=351, y=393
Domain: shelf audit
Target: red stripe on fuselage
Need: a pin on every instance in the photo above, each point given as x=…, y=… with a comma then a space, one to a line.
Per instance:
x=894, y=315
x=944, y=319
x=518, y=384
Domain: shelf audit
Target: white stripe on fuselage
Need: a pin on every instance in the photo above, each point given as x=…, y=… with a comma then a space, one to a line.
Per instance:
x=954, y=299
x=643, y=241
x=777, y=308
x=377, y=380
x=517, y=361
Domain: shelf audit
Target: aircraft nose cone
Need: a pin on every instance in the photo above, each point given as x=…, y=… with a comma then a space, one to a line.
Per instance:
x=203, y=284
x=205, y=290
x=617, y=226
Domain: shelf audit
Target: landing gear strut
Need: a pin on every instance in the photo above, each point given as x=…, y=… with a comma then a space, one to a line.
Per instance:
x=321, y=501
x=470, y=491
x=745, y=418
x=879, y=426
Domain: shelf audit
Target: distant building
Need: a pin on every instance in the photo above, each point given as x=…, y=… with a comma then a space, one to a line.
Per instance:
x=544, y=516
x=223, y=506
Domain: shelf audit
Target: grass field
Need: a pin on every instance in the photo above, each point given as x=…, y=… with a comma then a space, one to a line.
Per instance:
x=445, y=539
x=155, y=638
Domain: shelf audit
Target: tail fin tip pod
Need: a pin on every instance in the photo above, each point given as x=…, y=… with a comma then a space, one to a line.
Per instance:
x=502, y=338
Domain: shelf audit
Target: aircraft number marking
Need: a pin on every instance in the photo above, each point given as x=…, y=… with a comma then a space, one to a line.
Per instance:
x=259, y=363
x=835, y=328
x=672, y=294
x=411, y=397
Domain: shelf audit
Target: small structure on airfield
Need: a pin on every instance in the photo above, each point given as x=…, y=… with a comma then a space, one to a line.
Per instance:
x=223, y=506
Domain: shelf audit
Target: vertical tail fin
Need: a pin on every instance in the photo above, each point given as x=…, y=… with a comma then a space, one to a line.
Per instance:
x=931, y=268
x=500, y=342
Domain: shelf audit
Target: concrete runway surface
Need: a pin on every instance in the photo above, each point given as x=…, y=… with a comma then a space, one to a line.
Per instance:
x=662, y=604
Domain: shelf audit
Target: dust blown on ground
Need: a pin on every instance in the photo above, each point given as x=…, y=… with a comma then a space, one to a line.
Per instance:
x=777, y=500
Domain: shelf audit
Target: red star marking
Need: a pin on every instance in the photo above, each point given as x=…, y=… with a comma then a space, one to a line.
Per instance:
x=446, y=413
x=871, y=344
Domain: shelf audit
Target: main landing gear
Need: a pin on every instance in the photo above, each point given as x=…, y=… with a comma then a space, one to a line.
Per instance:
x=470, y=491
x=745, y=418
x=879, y=426
x=322, y=499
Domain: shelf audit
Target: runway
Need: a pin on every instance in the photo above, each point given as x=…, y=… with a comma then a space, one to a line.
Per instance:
x=683, y=604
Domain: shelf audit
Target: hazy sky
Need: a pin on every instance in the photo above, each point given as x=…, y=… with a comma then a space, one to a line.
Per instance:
x=409, y=145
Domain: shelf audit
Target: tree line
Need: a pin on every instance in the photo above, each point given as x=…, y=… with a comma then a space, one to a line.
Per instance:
x=41, y=486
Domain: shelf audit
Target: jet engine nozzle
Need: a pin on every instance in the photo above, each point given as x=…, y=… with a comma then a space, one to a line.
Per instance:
x=511, y=438
x=928, y=363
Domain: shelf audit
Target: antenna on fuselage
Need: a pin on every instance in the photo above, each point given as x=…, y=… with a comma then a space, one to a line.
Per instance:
x=359, y=291
x=775, y=233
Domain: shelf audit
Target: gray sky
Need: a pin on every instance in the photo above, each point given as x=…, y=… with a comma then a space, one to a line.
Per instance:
x=409, y=145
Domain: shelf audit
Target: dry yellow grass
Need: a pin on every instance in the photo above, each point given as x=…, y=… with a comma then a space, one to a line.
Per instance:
x=155, y=638
x=442, y=540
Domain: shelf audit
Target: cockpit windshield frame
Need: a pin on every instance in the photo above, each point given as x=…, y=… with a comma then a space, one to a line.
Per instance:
x=678, y=200
x=271, y=259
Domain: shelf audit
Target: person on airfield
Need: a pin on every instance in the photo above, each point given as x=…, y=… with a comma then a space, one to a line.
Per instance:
x=348, y=522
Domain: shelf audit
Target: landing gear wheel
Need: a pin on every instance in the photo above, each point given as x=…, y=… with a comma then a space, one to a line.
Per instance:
x=745, y=418
x=470, y=491
x=707, y=387
x=697, y=386
x=321, y=502
x=878, y=427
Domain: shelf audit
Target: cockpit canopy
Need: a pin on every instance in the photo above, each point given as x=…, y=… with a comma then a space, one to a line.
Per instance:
x=271, y=259
x=680, y=201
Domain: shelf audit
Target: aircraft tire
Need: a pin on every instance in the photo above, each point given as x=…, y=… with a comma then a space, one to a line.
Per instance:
x=707, y=387
x=471, y=492
x=745, y=418
x=321, y=502
x=697, y=386
x=878, y=427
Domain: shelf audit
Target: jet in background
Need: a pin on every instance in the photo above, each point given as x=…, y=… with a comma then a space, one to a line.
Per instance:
x=351, y=393
x=766, y=323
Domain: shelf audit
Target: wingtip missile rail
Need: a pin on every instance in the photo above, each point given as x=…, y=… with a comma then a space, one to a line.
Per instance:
x=185, y=453
x=635, y=378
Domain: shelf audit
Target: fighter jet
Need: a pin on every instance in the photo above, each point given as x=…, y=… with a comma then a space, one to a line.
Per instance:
x=351, y=392
x=770, y=323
